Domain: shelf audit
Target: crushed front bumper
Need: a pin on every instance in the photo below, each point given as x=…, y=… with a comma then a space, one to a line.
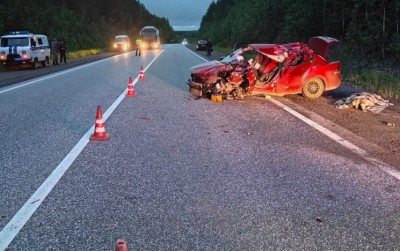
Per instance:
x=195, y=88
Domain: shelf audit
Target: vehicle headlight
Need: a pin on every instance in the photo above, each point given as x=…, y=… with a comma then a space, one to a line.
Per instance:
x=115, y=45
x=23, y=52
x=2, y=55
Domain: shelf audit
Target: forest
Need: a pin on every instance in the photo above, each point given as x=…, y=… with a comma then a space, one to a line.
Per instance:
x=84, y=24
x=366, y=27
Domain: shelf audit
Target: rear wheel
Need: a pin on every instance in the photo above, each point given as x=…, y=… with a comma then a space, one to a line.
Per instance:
x=313, y=88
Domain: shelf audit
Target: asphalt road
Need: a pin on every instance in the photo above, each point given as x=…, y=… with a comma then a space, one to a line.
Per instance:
x=178, y=173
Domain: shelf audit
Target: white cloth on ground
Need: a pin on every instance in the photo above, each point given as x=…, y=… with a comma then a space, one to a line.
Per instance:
x=364, y=101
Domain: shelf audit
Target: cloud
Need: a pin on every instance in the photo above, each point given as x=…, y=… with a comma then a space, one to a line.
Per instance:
x=179, y=12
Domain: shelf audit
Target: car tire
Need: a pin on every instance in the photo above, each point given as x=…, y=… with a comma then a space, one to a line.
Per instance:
x=313, y=88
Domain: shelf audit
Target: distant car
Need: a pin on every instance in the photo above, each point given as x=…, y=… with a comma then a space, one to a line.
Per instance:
x=184, y=42
x=274, y=69
x=201, y=45
x=122, y=43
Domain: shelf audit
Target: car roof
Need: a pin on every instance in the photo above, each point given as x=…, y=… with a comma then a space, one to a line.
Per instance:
x=273, y=51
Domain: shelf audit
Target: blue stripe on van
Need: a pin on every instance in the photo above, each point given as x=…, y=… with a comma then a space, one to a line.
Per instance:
x=12, y=49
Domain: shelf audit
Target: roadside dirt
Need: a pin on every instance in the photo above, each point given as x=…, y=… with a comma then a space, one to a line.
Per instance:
x=377, y=133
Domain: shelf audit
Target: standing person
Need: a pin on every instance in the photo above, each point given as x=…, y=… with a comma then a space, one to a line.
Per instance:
x=62, y=48
x=209, y=47
x=138, y=46
x=54, y=51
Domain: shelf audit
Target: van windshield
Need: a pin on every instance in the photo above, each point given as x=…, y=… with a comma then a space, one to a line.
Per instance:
x=149, y=33
x=14, y=41
x=121, y=39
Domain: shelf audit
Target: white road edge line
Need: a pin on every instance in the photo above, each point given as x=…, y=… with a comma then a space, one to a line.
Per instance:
x=13, y=227
x=197, y=55
x=355, y=149
x=52, y=75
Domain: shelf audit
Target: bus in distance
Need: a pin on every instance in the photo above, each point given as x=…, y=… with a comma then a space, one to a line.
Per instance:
x=150, y=37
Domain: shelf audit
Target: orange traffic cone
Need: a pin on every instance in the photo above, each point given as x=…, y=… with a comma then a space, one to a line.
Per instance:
x=99, y=129
x=141, y=73
x=121, y=246
x=131, y=91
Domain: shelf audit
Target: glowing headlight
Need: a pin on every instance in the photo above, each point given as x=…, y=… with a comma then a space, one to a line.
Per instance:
x=115, y=45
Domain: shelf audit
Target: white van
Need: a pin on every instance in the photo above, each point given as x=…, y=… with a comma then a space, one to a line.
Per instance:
x=22, y=47
x=122, y=43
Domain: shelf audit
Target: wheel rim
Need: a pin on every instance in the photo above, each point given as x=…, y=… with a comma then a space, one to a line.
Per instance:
x=313, y=87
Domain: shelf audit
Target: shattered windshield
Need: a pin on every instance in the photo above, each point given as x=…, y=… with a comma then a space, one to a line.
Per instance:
x=247, y=54
x=232, y=56
x=15, y=41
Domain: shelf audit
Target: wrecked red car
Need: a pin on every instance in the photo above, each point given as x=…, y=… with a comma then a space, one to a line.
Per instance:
x=269, y=69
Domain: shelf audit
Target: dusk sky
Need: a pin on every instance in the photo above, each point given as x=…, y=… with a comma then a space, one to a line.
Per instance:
x=182, y=14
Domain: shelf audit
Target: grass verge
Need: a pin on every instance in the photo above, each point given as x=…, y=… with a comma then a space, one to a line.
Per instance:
x=382, y=83
x=83, y=53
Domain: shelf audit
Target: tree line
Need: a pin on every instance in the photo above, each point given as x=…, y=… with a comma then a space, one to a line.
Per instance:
x=84, y=24
x=366, y=27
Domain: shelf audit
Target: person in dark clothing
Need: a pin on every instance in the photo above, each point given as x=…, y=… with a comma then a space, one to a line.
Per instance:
x=138, y=47
x=54, y=51
x=209, y=47
x=62, y=48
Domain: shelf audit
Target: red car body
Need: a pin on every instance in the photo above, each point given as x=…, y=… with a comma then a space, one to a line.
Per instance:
x=275, y=70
